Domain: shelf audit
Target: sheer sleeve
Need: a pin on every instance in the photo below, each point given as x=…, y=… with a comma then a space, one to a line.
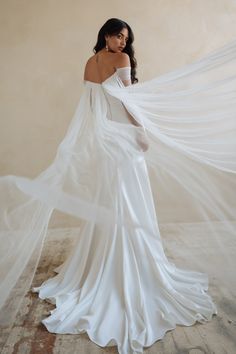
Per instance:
x=124, y=75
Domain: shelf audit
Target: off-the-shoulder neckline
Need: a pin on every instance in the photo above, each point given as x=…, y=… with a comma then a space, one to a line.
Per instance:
x=109, y=77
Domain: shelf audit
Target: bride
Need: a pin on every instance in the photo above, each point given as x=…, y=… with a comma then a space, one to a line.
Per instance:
x=128, y=144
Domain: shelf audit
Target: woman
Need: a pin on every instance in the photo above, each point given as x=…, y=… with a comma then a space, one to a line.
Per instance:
x=114, y=54
x=117, y=284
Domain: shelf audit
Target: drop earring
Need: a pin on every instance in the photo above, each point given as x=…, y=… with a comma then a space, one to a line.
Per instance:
x=107, y=49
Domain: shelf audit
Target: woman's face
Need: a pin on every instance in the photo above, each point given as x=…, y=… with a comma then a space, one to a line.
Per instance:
x=117, y=43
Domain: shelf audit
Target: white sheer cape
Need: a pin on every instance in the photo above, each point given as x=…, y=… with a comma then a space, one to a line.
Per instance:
x=189, y=117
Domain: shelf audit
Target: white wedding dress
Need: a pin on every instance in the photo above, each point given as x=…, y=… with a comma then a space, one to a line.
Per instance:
x=117, y=284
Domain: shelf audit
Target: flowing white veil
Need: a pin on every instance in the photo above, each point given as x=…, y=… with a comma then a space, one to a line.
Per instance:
x=189, y=116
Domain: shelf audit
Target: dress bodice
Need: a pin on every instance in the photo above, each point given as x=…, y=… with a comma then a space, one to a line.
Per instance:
x=115, y=108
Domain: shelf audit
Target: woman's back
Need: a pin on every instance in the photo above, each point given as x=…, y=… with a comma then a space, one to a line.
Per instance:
x=103, y=64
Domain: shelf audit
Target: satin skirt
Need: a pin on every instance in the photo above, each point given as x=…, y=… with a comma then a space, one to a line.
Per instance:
x=117, y=284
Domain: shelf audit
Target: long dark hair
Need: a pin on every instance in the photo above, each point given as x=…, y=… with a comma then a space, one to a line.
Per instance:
x=112, y=27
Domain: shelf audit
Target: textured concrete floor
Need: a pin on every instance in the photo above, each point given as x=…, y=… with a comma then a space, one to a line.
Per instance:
x=29, y=336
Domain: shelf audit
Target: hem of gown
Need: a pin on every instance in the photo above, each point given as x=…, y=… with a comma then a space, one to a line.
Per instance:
x=112, y=341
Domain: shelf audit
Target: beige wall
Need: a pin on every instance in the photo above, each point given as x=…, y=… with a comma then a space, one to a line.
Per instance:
x=44, y=46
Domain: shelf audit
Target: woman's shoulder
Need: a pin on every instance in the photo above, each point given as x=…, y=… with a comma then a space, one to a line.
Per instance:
x=90, y=64
x=121, y=60
x=90, y=60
